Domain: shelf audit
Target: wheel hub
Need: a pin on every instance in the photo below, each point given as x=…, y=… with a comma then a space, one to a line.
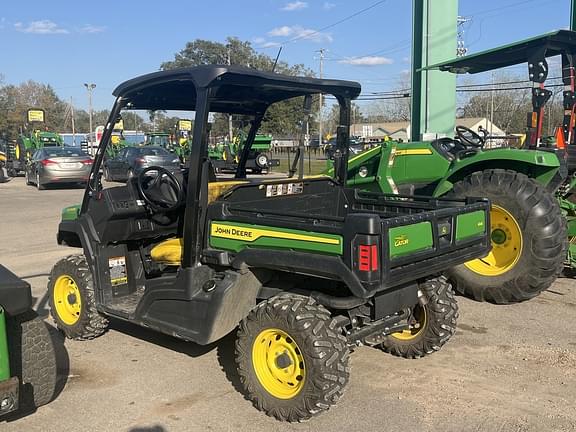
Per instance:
x=507, y=243
x=278, y=363
x=67, y=300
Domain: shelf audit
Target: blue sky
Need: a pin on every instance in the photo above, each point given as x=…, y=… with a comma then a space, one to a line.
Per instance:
x=67, y=43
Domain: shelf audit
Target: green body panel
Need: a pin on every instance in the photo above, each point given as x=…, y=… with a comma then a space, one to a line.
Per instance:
x=409, y=165
x=539, y=165
x=404, y=240
x=470, y=225
x=71, y=213
x=262, y=143
x=235, y=238
x=4, y=359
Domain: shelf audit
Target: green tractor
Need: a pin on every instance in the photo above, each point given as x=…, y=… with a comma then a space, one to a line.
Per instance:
x=159, y=139
x=27, y=356
x=183, y=139
x=225, y=155
x=528, y=227
x=117, y=140
x=301, y=270
x=20, y=152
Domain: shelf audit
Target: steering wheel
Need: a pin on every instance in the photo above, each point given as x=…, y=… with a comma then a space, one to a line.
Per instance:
x=468, y=137
x=162, y=191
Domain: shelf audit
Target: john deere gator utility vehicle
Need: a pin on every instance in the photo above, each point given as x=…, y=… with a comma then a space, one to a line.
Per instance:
x=27, y=143
x=305, y=268
x=27, y=358
x=528, y=228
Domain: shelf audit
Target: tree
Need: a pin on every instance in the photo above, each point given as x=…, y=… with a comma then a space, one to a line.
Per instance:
x=282, y=118
x=332, y=120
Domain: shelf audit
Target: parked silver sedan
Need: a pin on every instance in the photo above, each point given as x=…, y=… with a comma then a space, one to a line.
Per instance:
x=58, y=165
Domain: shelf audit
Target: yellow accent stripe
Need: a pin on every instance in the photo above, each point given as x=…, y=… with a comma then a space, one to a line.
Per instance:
x=413, y=152
x=253, y=234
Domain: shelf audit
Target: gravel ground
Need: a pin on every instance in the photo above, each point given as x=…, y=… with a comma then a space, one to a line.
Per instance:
x=508, y=368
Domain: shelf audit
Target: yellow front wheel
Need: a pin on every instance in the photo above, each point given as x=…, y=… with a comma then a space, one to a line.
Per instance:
x=292, y=357
x=67, y=299
x=278, y=363
x=72, y=299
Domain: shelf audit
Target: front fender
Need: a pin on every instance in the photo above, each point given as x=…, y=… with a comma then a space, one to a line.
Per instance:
x=542, y=166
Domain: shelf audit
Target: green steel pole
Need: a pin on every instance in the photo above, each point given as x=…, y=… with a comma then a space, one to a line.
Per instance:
x=433, y=92
x=417, y=57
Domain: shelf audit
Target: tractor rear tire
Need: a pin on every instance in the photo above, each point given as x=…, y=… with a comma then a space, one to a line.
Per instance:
x=520, y=204
x=72, y=305
x=433, y=323
x=32, y=359
x=292, y=358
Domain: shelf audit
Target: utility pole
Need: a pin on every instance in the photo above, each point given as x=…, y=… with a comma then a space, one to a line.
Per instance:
x=90, y=88
x=321, y=51
x=73, y=125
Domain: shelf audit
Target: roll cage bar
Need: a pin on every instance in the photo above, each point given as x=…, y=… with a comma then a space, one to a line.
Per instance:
x=223, y=89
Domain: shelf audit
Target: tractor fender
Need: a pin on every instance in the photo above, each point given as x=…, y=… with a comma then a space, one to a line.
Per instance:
x=539, y=165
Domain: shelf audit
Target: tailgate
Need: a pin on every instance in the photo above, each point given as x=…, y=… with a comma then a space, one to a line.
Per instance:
x=425, y=236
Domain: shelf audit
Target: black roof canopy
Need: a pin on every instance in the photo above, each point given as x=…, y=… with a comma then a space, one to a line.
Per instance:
x=552, y=44
x=235, y=89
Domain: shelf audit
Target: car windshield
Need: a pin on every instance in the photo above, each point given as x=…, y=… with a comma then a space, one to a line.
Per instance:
x=153, y=151
x=65, y=152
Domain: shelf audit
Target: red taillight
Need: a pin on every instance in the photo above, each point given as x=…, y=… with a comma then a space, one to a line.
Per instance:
x=368, y=258
x=87, y=162
x=46, y=162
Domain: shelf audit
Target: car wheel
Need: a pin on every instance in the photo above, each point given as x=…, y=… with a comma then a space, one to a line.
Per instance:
x=39, y=185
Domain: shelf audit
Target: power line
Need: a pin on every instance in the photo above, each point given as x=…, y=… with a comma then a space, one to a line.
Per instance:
x=347, y=18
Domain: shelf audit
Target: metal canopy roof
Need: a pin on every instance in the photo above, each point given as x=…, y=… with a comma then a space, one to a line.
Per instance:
x=554, y=43
x=234, y=89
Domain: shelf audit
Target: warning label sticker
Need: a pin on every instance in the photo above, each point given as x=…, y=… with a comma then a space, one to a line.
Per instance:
x=284, y=189
x=118, y=274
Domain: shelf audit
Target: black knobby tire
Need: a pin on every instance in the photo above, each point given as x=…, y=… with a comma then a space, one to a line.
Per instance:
x=32, y=359
x=323, y=346
x=544, y=232
x=441, y=312
x=90, y=323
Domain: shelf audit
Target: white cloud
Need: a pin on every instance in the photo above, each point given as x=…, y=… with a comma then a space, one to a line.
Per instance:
x=281, y=31
x=89, y=28
x=258, y=40
x=367, y=61
x=328, y=5
x=40, y=27
x=294, y=6
x=299, y=32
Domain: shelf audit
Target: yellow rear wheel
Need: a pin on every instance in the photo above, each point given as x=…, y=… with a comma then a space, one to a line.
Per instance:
x=417, y=326
x=507, y=243
x=67, y=299
x=278, y=363
x=292, y=357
